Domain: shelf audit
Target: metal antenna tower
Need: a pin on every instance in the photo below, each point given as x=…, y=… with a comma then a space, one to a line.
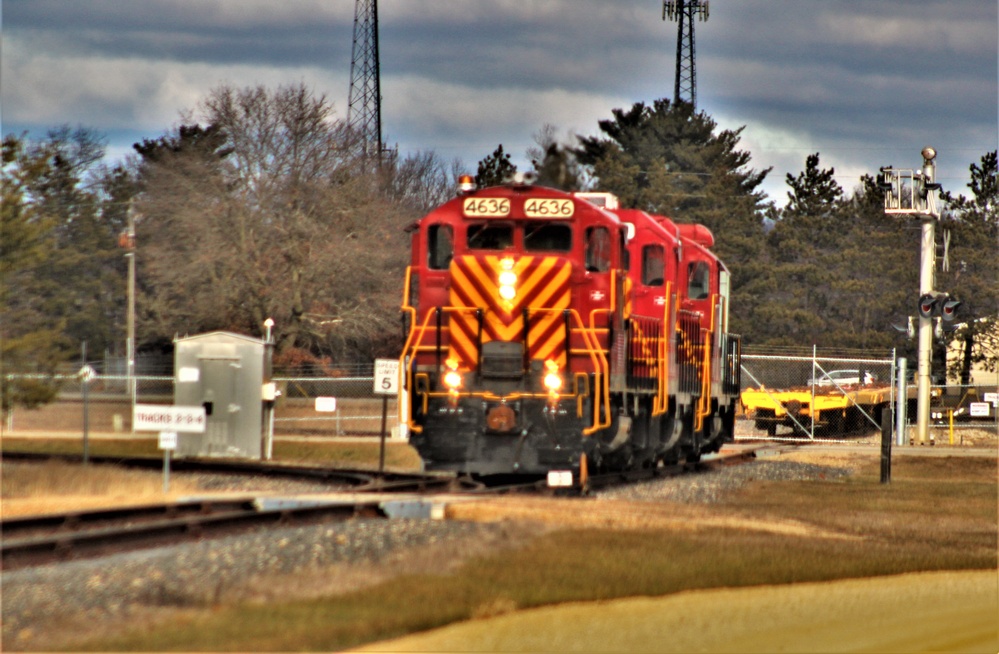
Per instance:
x=364, y=112
x=683, y=11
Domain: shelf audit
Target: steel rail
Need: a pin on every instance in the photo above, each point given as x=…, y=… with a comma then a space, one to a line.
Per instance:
x=69, y=541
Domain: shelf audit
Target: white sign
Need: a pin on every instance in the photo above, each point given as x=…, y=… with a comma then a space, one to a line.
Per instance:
x=158, y=417
x=326, y=404
x=387, y=376
x=979, y=409
x=559, y=478
x=187, y=375
x=991, y=397
x=168, y=440
x=87, y=374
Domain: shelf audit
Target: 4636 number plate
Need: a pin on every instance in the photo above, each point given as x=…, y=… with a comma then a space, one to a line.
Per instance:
x=548, y=208
x=486, y=207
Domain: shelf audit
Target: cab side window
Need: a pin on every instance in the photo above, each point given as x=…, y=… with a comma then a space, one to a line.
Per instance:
x=698, y=280
x=598, y=249
x=653, y=265
x=440, y=246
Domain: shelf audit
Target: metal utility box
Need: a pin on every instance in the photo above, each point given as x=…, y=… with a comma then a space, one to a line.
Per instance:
x=223, y=372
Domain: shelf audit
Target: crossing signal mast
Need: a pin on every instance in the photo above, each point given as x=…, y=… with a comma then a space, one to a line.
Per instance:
x=913, y=192
x=364, y=112
x=684, y=12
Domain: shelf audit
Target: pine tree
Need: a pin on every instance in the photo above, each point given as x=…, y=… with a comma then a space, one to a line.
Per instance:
x=973, y=275
x=30, y=340
x=671, y=160
x=495, y=169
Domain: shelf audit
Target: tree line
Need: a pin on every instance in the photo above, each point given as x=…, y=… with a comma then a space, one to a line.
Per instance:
x=263, y=205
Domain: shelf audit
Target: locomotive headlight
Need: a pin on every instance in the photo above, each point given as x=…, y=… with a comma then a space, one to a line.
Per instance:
x=552, y=379
x=507, y=280
x=452, y=378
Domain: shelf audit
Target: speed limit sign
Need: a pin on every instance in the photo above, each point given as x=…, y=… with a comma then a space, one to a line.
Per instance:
x=387, y=376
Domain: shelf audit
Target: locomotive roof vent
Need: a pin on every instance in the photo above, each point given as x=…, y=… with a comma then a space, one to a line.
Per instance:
x=602, y=200
x=522, y=178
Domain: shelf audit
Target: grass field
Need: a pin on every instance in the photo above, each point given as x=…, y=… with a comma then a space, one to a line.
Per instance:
x=937, y=514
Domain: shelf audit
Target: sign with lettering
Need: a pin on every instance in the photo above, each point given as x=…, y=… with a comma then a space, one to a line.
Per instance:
x=168, y=440
x=159, y=417
x=979, y=409
x=386, y=376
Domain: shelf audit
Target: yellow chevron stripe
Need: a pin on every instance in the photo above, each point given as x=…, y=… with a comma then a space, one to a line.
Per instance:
x=504, y=320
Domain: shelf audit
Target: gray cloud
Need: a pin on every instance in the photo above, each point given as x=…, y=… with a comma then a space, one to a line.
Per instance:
x=863, y=83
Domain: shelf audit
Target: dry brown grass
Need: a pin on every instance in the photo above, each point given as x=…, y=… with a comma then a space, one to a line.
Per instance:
x=31, y=489
x=938, y=514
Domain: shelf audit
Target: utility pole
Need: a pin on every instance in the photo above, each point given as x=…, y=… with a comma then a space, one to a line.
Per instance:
x=127, y=241
x=913, y=192
x=364, y=113
x=683, y=12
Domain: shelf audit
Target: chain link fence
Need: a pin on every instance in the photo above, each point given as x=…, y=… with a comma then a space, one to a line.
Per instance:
x=779, y=390
x=358, y=411
x=799, y=396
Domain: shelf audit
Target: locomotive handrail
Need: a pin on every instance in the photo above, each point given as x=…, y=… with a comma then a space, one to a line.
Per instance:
x=704, y=402
x=658, y=361
x=661, y=404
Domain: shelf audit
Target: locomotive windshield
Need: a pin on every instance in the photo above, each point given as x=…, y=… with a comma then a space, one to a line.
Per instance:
x=489, y=237
x=547, y=236
x=537, y=237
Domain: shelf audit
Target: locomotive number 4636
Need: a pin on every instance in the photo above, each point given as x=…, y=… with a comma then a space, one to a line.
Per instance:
x=548, y=208
x=486, y=207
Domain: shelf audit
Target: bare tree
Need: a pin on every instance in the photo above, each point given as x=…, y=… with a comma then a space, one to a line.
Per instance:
x=265, y=214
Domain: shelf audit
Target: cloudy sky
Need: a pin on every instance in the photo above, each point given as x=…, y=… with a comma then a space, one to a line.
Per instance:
x=865, y=83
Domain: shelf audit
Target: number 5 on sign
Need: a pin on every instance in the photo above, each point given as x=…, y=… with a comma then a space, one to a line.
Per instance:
x=386, y=376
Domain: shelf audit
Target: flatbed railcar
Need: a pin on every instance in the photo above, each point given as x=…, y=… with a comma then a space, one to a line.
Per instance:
x=554, y=333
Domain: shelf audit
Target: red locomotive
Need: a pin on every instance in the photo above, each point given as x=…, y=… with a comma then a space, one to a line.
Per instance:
x=555, y=333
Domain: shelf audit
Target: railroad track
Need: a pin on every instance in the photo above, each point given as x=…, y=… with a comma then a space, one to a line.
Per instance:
x=36, y=540
x=355, y=480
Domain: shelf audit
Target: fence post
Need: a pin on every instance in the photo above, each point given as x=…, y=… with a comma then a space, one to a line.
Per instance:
x=885, y=447
x=381, y=450
x=902, y=403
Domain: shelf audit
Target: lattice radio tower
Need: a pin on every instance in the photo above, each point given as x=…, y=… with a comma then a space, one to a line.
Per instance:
x=683, y=12
x=364, y=112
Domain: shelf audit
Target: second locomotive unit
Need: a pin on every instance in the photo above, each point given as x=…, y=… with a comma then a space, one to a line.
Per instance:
x=553, y=333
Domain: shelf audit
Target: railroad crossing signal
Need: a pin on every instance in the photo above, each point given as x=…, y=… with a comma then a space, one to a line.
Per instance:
x=913, y=192
x=938, y=304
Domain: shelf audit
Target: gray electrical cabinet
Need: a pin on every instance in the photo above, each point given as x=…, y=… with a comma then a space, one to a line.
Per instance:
x=222, y=372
